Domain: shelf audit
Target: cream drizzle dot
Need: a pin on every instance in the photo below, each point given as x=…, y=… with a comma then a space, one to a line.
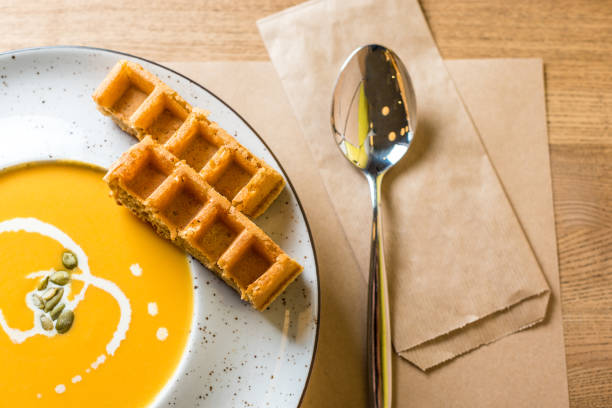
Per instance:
x=60, y=389
x=99, y=361
x=136, y=270
x=162, y=334
x=152, y=309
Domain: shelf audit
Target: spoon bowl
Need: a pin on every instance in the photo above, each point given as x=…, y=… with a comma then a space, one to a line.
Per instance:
x=373, y=113
x=373, y=120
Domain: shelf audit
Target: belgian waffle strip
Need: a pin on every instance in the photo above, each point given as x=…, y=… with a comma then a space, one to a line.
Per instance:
x=185, y=209
x=141, y=104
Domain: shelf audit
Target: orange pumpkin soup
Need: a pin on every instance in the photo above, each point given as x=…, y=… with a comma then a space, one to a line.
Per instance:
x=130, y=294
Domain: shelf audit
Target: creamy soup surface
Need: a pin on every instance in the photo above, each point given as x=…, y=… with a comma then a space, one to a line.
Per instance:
x=134, y=314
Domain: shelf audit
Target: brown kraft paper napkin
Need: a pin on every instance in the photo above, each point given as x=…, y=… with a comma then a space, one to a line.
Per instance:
x=461, y=271
x=523, y=370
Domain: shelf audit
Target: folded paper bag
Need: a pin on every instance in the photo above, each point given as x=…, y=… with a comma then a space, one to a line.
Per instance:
x=461, y=270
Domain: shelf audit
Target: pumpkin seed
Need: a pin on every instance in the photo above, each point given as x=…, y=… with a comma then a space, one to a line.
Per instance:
x=69, y=260
x=54, y=300
x=56, y=311
x=43, y=283
x=60, y=278
x=64, y=321
x=37, y=300
x=49, y=294
x=46, y=322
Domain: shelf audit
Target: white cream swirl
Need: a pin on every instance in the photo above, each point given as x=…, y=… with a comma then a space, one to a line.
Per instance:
x=34, y=225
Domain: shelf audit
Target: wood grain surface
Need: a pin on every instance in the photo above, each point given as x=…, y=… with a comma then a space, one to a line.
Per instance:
x=573, y=37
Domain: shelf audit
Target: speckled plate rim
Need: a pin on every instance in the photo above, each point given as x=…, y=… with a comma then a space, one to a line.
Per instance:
x=314, y=252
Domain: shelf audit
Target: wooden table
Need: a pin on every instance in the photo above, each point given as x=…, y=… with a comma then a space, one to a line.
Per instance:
x=573, y=37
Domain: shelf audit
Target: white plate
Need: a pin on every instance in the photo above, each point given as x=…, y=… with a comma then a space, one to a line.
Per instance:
x=259, y=359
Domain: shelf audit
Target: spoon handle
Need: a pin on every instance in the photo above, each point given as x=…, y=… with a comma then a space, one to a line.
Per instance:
x=379, y=330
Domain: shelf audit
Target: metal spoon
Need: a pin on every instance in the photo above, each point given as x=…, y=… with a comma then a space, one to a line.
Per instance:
x=373, y=118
